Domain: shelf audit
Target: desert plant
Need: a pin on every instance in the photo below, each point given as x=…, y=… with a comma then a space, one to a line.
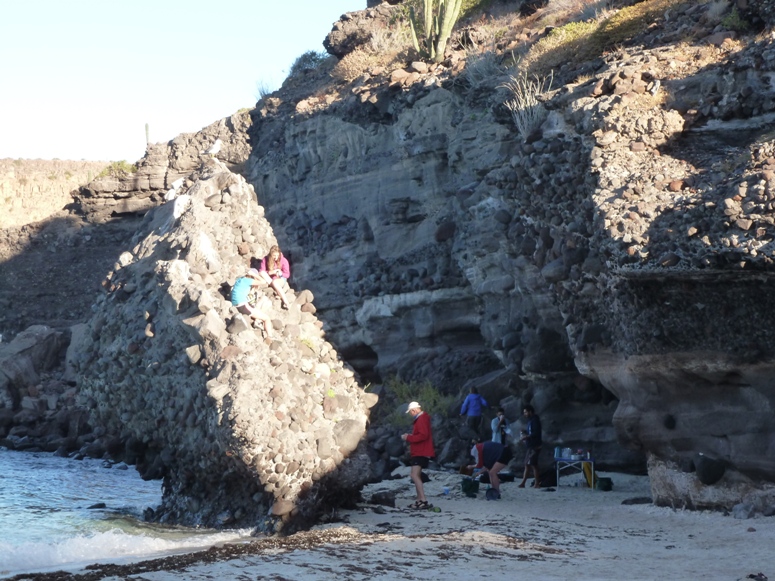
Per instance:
x=308, y=61
x=526, y=109
x=430, y=398
x=481, y=67
x=389, y=39
x=436, y=27
x=733, y=21
x=262, y=90
x=117, y=169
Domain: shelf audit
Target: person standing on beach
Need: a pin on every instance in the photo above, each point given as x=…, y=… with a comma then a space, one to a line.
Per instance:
x=531, y=436
x=472, y=409
x=500, y=427
x=420, y=450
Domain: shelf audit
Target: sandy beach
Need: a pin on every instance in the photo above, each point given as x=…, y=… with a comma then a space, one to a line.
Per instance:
x=564, y=532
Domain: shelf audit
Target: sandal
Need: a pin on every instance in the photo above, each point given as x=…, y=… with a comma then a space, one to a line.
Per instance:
x=420, y=505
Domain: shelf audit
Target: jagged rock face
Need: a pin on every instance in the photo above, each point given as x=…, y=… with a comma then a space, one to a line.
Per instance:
x=448, y=233
x=355, y=28
x=421, y=268
x=238, y=428
x=163, y=164
x=33, y=351
x=442, y=245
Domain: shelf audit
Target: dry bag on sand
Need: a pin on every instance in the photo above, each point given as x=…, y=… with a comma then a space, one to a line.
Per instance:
x=469, y=486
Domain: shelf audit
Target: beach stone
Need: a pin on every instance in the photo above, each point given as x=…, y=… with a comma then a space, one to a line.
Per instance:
x=743, y=511
x=384, y=498
x=709, y=470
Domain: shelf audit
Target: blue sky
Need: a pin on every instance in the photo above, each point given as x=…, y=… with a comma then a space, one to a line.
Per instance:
x=81, y=78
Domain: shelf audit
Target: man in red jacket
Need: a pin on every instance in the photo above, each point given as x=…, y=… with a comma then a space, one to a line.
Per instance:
x=420, y=450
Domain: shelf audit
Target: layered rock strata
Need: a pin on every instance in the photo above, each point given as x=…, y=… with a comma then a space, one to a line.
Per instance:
x=618, y=232
x=160, y=170
x=238, y=427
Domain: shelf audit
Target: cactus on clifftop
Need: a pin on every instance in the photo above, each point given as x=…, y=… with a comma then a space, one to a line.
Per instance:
x=437, y=27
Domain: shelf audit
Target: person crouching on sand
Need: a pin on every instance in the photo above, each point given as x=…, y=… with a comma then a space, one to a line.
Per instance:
x=494, y=457
x=420, y=449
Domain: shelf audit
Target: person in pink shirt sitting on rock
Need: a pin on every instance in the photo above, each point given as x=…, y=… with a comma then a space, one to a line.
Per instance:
x=276, y=271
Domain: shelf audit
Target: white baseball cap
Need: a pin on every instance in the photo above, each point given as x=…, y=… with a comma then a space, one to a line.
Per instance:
x=413, y=406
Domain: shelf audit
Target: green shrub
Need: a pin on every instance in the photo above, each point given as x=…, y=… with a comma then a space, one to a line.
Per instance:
x=309, y=61
x=117, y=169
x=425, y=393
x=733, y=21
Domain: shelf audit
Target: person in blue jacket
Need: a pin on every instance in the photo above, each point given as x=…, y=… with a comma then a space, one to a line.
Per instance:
x=472, y=409
x=248, y=302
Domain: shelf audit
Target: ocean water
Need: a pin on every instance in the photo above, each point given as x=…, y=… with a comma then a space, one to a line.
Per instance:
x=45, y=522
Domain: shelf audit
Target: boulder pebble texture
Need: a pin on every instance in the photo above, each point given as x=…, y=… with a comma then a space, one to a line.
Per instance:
x=244, y=431
x=626, y=242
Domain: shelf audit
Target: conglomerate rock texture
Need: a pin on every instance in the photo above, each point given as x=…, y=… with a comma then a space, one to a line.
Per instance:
x=245, y=431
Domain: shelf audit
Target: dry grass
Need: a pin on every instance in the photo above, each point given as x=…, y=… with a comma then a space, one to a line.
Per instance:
x=482, y=68
x=569, y=43
x=526, y=109
x=580, y=41
x=354, y=64
x=387, y=46
x=562, y=11
x=390, y=40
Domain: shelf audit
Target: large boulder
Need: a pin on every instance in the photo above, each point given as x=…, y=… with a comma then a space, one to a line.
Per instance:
x=237, y=426
x=33, y=351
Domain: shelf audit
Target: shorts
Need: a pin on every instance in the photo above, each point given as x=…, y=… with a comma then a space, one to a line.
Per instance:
x=531, y=458
x=260, y=310
x=504, y=458
x=421, y=461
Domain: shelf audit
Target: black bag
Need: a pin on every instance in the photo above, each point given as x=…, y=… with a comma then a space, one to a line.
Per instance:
x=469, y=486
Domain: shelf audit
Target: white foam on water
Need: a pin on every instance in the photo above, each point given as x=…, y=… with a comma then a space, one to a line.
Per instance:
x=113, y=546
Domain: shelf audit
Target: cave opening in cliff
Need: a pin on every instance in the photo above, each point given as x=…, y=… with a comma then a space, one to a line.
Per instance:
x=363, y=360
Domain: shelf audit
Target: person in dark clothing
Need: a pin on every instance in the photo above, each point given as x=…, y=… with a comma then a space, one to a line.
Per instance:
x=531, y=436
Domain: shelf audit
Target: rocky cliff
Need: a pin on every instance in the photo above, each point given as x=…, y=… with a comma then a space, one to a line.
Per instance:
x=611, y=267
x=625, y=244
